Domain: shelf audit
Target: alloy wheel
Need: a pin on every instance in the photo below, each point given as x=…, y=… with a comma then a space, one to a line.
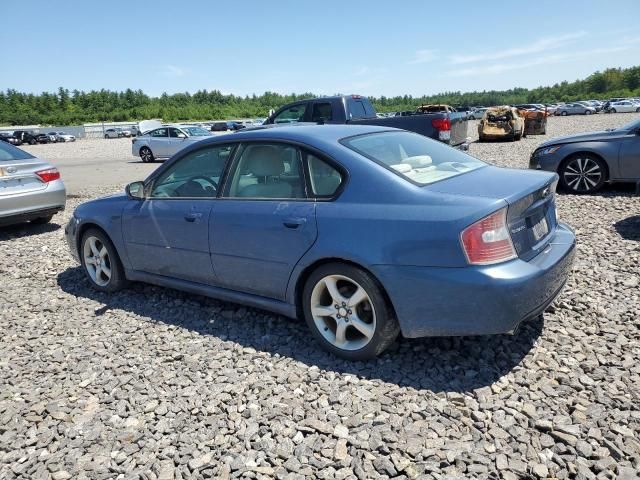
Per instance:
x=97, y=261
x=582, y=174
x=343, y=312
x=146, y=155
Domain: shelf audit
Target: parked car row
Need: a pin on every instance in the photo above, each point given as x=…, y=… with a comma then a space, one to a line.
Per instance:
x=31, y=137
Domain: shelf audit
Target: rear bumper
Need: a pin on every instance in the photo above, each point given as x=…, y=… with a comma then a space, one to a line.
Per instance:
x=20, y=207
x=478, y=300
x=463, y=146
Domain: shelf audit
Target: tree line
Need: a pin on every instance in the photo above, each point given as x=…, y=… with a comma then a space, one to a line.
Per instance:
x=66, y=107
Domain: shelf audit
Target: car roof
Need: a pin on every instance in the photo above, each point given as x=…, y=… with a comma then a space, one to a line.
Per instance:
x=305, y=133
x=308, y=131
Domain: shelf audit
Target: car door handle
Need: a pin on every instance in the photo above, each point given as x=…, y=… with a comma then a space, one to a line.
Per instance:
x=294, y=222
x=192, y=217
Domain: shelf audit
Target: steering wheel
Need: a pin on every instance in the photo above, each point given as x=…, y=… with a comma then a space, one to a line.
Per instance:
x=206, y=179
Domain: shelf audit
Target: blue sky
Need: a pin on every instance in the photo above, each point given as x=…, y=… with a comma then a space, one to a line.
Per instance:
x=371, y=47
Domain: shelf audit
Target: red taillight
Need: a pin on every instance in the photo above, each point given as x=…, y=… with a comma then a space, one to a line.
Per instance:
x=488, y=240
x=441, y=124
x=48, y=175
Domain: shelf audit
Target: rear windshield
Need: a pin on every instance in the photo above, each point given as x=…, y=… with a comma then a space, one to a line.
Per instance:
x=9, y=152
x=416, y=158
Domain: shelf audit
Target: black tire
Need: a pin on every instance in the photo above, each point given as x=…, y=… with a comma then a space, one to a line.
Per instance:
x=117, y=280
x=613, y=110
x=32, y=142
x=638, y=110
x=42, y=220
x=386, y=327
x=106, y=137
x=146, y=155
x=564, y=114
x=593, y=179
x=587, y=112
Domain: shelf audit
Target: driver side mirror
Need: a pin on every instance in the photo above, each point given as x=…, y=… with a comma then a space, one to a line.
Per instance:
x=135, y=190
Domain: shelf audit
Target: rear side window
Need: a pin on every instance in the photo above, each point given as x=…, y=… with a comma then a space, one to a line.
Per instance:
x=321, y=112
x=324, y=178
x=160, y=132
x=9, y=152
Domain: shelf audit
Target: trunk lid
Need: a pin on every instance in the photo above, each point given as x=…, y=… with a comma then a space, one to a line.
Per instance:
x=530, y=195
x=18, y=176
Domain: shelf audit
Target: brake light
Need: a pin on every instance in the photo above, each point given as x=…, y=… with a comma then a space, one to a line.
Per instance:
x=48, y=175
x=488, y=240
x=441, y=124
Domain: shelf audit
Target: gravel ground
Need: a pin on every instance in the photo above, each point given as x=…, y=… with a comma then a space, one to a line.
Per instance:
x=152, y=383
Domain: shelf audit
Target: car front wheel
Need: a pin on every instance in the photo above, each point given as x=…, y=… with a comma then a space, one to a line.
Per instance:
x=348, y=313
x=101, y=262
x=146, y=155
x=583, y=173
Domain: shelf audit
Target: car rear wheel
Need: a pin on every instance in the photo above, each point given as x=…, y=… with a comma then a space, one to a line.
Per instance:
x=613, y=110
x=146, y=155
x=348, y=313
x=101, y=262
x=564, y=114
x=583, y=173
x=32, y=142
x=587, y=112
x=42, y=220
x=638, y=110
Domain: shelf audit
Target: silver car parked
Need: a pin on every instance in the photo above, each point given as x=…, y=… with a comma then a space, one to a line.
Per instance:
x=575, y=109
x=30, y=188
x=161, y=143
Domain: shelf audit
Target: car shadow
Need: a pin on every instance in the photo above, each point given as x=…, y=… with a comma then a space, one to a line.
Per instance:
x=26, y=229
x=629, y=228
x=452, y=364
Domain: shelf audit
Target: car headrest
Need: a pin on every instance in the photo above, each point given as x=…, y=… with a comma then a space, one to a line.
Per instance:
x=264, y=161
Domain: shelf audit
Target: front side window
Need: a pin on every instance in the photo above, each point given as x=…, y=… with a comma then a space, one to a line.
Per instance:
x=160, y=132
x=197, y=174
x=412, y=156
x=267, y=171
x=292, y=114
x=324, y=178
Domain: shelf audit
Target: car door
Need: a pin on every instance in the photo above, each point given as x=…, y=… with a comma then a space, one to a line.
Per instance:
x=176, y=142
x=158, y=140
x=264, y=222
x=630, y=155
x=167, y=233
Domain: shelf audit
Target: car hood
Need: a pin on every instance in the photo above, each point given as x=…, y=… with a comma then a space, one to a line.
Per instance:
x=583, y=137
x=509, y=184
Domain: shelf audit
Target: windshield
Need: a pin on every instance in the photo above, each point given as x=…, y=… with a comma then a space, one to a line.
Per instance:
x=196, y=131
x=9, y=152
x=414, y=157
x=635, y=125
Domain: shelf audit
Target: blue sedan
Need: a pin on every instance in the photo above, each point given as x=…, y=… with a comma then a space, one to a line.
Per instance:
x=365, y=232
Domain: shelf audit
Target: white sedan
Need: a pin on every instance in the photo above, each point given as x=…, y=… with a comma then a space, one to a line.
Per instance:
x=161, y=143
x=624, y=107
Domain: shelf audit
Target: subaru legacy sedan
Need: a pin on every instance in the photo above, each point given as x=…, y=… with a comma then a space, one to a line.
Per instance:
x=365, y=232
